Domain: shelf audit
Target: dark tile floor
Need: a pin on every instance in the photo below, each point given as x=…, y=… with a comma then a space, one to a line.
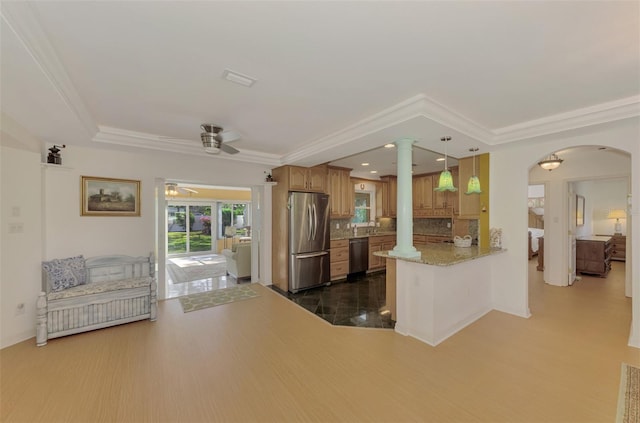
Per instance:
x=355, y=302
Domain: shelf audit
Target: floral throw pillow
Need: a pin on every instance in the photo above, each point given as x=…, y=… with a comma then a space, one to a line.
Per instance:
x=65, y=273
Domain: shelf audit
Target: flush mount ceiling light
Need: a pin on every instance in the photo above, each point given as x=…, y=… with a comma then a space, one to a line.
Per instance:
x=473, y=187
x=445, y=183
x=389, y=145
x=550, y=163
x=238, y=78
x=364, y=164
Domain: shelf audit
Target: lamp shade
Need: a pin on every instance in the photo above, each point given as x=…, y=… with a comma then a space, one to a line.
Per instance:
x=230, y=231
x=445, y=182
x=473, y=187
x=617, y=214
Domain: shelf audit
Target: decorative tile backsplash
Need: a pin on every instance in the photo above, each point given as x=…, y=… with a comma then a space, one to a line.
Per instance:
x=429, y=226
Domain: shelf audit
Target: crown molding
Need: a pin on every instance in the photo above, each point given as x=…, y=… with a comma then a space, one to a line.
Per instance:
x=588, y=116
x=417, y=106
x=22, y=21
x=116, y=136
x=421, y=105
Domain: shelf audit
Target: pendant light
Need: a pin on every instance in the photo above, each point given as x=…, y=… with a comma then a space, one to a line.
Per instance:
x=473, y=187
x=445, y=182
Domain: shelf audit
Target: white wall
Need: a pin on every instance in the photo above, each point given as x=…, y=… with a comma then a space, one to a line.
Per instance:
x=509, y=188
x=20, y=252
x=49, y=201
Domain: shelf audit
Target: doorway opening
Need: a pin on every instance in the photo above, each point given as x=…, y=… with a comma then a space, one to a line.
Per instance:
x=203, y=221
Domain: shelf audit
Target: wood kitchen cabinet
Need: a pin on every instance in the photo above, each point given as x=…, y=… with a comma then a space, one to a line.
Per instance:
x=339, y=258
x=389, y=191
x=593, y=255
x=380, y=243
x=422, y=191
x=469, y=204
x=341, y=192
x=420, y=240
x=297, y=178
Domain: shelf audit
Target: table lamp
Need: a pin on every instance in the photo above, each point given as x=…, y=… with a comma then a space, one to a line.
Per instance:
x=617, y=214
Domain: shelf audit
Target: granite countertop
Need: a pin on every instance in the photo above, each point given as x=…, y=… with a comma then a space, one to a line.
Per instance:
x=383, y=234
x=351, y=236
x=445, y=254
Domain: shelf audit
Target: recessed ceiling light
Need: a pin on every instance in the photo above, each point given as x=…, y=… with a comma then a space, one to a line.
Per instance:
x=440, y=159
x=389, y=145
x=238, y=78
x=365, y=164
x=374, y=171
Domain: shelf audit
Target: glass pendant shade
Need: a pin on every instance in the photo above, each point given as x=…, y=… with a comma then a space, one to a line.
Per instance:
x=446, y=182
x=473, y=187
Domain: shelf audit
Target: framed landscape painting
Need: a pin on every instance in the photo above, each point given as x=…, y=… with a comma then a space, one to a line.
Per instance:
x=109, y=197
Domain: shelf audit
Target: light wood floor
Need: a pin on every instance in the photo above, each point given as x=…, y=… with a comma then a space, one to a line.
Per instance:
x=265, y=359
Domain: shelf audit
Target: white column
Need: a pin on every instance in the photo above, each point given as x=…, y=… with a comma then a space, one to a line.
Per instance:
x=404, y=222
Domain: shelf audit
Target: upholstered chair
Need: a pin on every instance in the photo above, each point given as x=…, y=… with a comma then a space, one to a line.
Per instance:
x=238, y=260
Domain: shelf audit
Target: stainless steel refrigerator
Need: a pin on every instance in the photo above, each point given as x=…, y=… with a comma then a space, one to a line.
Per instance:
x=308, y=240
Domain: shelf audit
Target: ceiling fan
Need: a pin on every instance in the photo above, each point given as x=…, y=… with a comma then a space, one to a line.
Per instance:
x=213, y=138
x=172, y=189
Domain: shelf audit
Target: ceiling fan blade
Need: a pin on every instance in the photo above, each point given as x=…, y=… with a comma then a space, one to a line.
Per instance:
x=228, y=149
x=230, y=135
x=193, y=191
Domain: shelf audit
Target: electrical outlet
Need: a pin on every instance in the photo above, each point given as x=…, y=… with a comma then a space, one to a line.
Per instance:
x=20, y=309
x=337, y=226
x=449, y=225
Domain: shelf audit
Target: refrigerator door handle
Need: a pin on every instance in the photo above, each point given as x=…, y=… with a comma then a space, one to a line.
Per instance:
x=310, y=227
x=315, y=222
x=304, y=256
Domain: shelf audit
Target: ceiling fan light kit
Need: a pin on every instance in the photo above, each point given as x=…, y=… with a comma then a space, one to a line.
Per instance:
x=212, y=140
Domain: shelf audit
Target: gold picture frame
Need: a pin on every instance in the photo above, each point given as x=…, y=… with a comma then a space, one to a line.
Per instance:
x=109, y=196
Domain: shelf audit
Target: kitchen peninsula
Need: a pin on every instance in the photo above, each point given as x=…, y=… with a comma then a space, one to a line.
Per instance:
x=436, y=295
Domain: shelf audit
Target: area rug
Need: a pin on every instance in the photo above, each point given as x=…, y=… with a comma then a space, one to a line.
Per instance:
x=629, y=395
x=193, y=302
x=188, y=269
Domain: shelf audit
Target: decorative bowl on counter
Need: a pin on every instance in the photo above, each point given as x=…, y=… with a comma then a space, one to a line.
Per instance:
x=462, y=242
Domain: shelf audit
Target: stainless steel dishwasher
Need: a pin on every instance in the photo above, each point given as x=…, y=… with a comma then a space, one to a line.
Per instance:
x=358, y=255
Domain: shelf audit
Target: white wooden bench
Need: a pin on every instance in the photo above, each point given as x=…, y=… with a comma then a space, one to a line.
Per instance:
x=119, y=289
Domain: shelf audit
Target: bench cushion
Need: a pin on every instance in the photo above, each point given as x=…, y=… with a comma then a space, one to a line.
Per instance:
x=65, y=273
x=94, y=288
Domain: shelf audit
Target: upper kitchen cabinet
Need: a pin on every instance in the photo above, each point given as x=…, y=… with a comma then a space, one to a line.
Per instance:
x=469, y=204
x=422, y=194
x=340, y=190
x=296, y=178
x=388, y=203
